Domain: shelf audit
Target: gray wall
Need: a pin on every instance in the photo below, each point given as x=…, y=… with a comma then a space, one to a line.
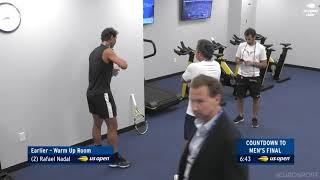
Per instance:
x=44, y=71
x=286, y=21
x=167, y=31
x=234, y=23
x=248, y=15
x=242, y=15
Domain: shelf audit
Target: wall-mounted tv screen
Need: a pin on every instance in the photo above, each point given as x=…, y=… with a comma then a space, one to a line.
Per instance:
x=196, y=9
x=148, y=11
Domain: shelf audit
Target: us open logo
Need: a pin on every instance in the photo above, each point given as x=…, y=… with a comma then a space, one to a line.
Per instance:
x=311, y=10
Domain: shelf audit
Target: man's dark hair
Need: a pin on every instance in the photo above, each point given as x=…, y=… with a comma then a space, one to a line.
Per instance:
x=107, y=33
x=205, y=47
x=213, y=84
x=250, y=31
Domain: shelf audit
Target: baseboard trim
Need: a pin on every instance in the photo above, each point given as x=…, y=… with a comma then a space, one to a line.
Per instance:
x=104, y=136
x=84, y=143
x=302, y=67
x=164, y=77
x=289, y=65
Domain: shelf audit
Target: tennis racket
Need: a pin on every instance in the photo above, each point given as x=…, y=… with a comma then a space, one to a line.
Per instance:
x=140, y=123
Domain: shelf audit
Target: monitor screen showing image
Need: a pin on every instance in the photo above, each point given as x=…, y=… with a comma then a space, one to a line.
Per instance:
x=148, y=11
x=196, y=9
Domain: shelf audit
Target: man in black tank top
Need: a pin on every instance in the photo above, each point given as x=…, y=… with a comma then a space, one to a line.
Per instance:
x=99, y=96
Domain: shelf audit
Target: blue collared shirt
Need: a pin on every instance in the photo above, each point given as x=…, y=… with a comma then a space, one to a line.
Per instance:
x=196, y=142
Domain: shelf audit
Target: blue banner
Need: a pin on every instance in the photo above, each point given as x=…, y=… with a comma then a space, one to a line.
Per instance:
x=70, y=154
x=265, y=151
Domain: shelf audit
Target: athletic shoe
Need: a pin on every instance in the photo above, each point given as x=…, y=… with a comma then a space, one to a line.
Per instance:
x=238, y=119
x=255, y=123
x=120, y=162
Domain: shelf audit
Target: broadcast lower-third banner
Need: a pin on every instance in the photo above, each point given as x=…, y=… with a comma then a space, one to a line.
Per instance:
x=265, y=151
x=70, y=154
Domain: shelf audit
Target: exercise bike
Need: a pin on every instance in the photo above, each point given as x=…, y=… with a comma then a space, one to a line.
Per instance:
x=227, y=77
x=181, y=51
x=276, y=67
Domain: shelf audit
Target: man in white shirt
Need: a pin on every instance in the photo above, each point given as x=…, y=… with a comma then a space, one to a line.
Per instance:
x=206, y=66
x=251, y=56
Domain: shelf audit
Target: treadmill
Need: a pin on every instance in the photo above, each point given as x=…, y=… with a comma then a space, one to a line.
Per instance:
x=156, y=98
